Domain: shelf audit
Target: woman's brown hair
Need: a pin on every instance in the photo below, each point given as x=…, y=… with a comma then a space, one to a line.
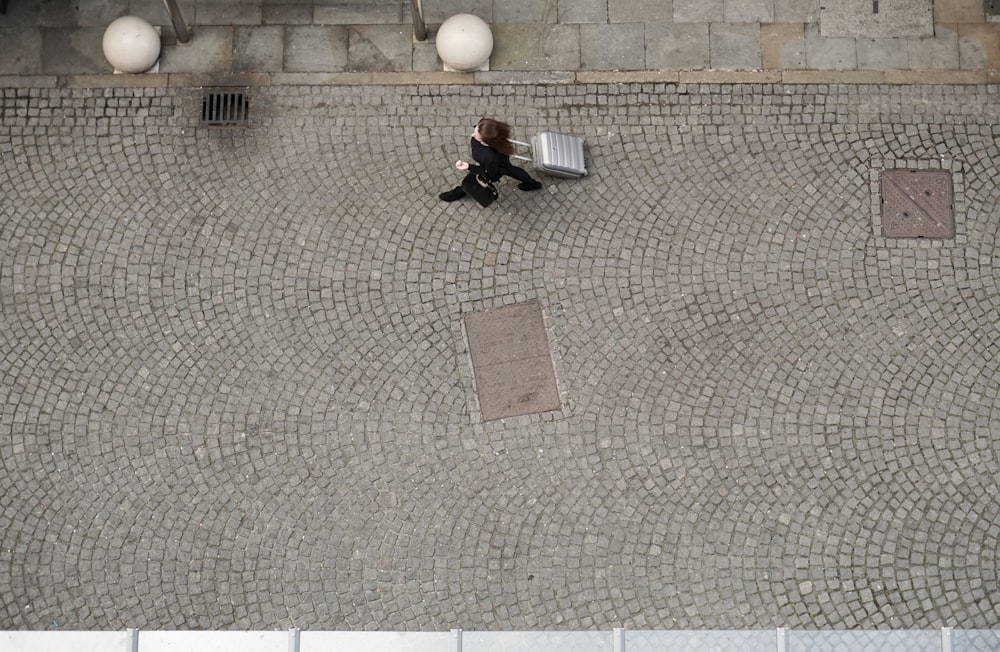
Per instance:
x=496, y=134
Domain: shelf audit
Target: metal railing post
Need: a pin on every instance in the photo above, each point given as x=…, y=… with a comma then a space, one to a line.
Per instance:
x=132, y=639
x=180, y=27
x=618, y=639
x=419, y=26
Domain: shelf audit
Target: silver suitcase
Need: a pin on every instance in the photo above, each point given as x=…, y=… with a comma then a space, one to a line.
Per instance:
x=557, y=154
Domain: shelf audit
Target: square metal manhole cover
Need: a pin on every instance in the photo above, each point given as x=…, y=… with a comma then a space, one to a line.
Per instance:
x=511, y=361
x=917, y=204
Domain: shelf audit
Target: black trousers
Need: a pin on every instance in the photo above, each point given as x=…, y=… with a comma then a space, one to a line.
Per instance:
x=504, y=170
x=514, y=171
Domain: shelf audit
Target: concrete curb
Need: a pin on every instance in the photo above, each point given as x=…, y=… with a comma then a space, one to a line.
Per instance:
x=188, y=80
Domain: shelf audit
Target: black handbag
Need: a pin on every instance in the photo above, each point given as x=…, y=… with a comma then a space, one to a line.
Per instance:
x=480, y=189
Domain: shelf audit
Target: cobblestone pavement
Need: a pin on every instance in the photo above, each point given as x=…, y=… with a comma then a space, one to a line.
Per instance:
x=236, y=392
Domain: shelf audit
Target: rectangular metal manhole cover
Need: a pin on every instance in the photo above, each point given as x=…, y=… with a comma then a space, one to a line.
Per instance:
x=917, y=204
x=511, y=361
x=225, y=108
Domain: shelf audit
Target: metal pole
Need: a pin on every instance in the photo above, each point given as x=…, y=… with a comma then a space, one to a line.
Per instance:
x=183, y=33
x=132, y=639
x=419, y=27
x=618, y=639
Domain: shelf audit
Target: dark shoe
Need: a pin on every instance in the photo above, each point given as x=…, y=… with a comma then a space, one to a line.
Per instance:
x=453, y=194
x=529, y=185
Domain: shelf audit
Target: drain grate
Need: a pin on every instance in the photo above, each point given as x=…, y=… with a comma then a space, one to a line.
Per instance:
x=917, y=204
x=511, y=361
x=225, y=108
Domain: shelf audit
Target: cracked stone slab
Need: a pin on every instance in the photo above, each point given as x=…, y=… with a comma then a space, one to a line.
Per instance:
x=379, y=47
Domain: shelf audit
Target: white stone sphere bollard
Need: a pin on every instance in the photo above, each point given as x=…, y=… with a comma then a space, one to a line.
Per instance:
x=131, y=44
x=464, y=42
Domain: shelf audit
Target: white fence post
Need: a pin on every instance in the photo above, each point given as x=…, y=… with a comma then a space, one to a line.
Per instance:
x=456, y=640
x=132, y=639
x=781, y=639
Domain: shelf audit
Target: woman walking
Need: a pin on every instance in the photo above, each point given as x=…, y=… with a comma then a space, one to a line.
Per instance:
x=491, y=150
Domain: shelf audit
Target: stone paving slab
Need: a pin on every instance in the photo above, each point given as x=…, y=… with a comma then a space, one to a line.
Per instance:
x=612, y=47
x=316, y=48
x=831, y=52
x=958, y=11
x=536, y=47
x=783, y=46
x=212, y=51
x=235, y=393
x=258, y=49
x=326, y=36
x=678, y=45
x=878, y=19
x=979, y=47
x=734, y=46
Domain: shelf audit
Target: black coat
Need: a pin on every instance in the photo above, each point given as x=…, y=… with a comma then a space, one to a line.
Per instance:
x=492, y=163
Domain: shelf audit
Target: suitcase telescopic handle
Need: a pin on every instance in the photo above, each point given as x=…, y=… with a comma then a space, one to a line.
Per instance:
x=523, y=144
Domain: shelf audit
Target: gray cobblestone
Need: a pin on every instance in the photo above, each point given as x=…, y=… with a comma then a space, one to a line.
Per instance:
x=236, y=393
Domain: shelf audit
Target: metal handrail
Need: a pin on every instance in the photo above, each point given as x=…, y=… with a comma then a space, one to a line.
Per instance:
x=780, y=639
x=419, y=26
x=180, y=27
